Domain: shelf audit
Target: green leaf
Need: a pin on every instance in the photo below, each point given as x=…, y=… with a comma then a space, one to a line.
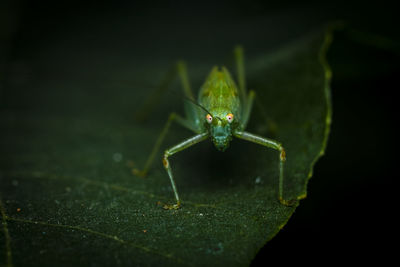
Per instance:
x=67, y=194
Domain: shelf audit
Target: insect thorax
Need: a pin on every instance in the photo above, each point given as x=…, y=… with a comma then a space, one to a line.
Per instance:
x=219, y=94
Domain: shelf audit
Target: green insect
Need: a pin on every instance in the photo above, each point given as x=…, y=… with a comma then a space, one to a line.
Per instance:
x=227, y=108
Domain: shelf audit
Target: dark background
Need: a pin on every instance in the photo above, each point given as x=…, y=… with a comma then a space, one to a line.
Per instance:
x=350, y=210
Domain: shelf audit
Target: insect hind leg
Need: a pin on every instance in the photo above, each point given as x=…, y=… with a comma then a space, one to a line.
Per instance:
x=192, y=113
x=184, y=77
x=178, y=69
x=239, y=59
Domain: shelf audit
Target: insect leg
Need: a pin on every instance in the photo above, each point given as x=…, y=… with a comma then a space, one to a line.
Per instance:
x=247, y=109
x=282, y=157
x=248, y=99
x=169, y=152
x=270, y=125
x=151, y=102
x=191, y=111
x=172, y=117
x=182, y=71
x=239, y=59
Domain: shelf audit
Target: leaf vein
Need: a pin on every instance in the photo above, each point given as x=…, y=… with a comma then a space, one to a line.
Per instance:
x=104, y=235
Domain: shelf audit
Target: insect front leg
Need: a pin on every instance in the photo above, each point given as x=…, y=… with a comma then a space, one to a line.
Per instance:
x=172, y=117
x=169, y=152
x=282, y=158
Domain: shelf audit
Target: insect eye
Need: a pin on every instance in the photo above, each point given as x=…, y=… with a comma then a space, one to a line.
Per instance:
x=209, y=118
x=229, y=117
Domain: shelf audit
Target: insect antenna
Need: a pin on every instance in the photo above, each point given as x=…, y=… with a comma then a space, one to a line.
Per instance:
x=200, y=106
x=196, y=103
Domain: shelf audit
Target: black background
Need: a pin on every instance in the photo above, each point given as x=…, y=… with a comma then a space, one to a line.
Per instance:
x=349, y=214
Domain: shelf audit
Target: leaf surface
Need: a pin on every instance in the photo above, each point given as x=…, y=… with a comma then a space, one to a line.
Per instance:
x=69, y=142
